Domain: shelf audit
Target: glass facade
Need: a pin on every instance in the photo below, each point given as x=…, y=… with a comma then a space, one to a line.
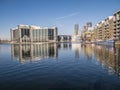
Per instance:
x=15, y=35
x=40, y=35
x=51, y=34
x=26, y=33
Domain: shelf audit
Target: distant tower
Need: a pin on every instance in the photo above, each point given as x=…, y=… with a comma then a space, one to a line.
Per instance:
x=84, y=29
x=89, y=24
x=76, y=29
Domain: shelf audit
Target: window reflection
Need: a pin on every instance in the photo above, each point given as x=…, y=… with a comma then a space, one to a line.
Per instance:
x=64, y=45
x=33, y=52
x=87, y=51
x=108, y=57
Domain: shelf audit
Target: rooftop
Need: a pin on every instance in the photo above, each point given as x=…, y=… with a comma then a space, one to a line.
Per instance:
x=32, y=26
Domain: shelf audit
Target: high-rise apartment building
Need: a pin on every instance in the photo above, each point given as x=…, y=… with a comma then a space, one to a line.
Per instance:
x=104, y=30
x=116, y=19
x=108, y=31
x=26, y=33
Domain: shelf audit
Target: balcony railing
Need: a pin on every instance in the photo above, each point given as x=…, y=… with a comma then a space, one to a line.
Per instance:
x=118, y=34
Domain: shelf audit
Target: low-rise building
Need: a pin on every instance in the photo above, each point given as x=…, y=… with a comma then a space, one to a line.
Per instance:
x=64, y=38
x=26, y=33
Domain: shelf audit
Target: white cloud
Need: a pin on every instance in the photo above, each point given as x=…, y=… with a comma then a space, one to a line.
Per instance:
x=70, y=15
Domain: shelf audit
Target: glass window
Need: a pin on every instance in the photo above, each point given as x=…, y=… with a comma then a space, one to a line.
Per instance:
x=46, y=34
x=40, y=36
x=37, y=35
x=43, y=34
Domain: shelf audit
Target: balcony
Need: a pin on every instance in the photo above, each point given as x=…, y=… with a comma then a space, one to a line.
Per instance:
x=117, y=34
x=114, y=29
x=118, y=26
x=114, y=34
x=100, y=29
x=107, y=32
x=118, y=22
x=116, y=38
x=99, y=34
x=115, y=22
x=117, y=30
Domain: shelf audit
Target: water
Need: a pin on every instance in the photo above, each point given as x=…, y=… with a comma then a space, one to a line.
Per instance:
x=62, y=66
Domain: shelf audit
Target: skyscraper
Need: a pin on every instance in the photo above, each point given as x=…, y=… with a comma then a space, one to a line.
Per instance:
x=76, y=29
x=89, y=24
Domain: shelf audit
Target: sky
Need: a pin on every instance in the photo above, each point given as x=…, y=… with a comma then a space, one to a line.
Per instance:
x=48, y=13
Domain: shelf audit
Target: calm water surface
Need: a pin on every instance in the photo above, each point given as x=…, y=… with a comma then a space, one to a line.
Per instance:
x=59, y=66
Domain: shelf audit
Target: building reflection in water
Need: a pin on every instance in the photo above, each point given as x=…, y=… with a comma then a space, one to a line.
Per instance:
x=64, y=45
x=70, y=46
x=33, y=52
x=87, y=51
x=77, y=49
x=108, y=57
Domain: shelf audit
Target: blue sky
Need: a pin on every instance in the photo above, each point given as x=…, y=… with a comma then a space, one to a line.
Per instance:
x=47, y=13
